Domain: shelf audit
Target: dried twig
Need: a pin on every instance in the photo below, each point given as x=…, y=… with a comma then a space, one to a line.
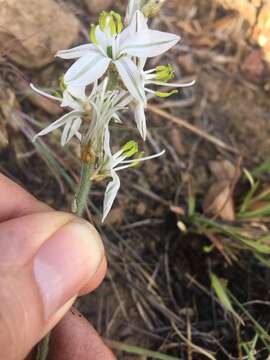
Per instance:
x=182, y=123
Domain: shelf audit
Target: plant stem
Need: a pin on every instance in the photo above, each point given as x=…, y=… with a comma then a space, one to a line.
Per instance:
x=80, y=203
x=43, y=348
x=84, y=189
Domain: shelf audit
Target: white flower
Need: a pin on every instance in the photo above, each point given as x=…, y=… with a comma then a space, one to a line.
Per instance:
x=76, y=100
x=111, y=45
x=101, y=105
x=116, y=162
x=158, y=76
x=106, y=106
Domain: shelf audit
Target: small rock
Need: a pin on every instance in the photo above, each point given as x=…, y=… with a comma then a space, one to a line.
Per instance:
x=96, y=6
x=32, y=31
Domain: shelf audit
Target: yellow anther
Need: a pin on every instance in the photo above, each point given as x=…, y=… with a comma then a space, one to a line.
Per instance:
x=165, y=94
x=130, y=148
x=93, y=37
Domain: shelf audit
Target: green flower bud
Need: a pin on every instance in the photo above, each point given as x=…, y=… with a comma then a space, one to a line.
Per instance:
x=152, y=7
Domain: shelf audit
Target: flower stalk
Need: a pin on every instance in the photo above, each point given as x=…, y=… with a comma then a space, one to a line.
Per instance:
x=78, y=208
x=82, y=195
x=43, y=348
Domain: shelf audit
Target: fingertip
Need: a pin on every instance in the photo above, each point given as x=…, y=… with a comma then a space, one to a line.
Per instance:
x=95, y=280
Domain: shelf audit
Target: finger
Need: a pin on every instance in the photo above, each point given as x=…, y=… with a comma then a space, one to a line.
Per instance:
x=45, y=260
x=74, y=338
x=95, y=281
x=16, y=202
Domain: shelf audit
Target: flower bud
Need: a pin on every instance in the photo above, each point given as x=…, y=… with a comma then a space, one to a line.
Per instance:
x=152, y=8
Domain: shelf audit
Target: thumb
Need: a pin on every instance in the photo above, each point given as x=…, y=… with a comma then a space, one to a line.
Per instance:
x=45, y=260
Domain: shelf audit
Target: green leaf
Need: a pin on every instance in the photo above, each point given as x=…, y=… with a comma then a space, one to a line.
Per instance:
x=263, y=211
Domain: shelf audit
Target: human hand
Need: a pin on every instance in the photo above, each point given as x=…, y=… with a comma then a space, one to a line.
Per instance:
x=47, y=259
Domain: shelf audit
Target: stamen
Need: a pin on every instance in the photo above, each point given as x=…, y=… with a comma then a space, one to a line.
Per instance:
x=93, y=37
x=62, y=85
x=164, y=72
x=112, y=20
x=118, y=19
x=102, y=20
x=130, y=148
x=165, y=94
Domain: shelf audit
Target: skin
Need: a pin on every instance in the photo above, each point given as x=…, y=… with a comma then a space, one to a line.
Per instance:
x=26, y=225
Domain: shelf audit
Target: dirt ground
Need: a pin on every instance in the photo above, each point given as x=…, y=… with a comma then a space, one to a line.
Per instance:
x=157, y=294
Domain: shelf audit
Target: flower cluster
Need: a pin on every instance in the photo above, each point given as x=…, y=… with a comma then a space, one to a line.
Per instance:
x=108, y=77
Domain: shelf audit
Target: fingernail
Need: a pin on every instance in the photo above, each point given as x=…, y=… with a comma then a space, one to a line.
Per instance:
x=65, y=262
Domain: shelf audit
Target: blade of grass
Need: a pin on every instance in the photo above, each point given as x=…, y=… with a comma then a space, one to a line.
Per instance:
x=221, y=293
x=253, y=187
x=265, y=338
x=131, y=349
x=263, y=211
x=261, y=169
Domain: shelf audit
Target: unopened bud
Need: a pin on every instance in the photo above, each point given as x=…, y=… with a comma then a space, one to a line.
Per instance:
x=152, y=8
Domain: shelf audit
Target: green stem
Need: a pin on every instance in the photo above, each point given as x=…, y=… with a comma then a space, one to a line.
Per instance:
x=80, y=202
x=43, y=348
x=84, y=189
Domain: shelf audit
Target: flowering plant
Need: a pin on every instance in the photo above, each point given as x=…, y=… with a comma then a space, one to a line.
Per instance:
x=108, y=77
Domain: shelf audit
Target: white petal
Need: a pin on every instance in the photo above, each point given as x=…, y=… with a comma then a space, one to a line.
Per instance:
x=43, y=93
x=73, y=97
x=131, y=78
x=87, y=69
x=77, y=91
x=110, y=194
x=140, y=119
x=69, y=101
x=65, y=132
x=74, y=129
x=71, y=129
x=133, y=7
x=149, y=43
x=103, y=40
x=106, y=142
x=138, y=23
x=58, y=123
x=76, y=52
x=115, y=159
